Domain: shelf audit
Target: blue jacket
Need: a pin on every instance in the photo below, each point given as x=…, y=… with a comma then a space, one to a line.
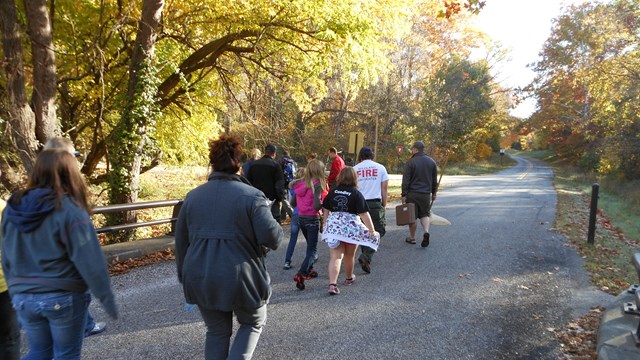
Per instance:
x=48, y=250
x=222, y=227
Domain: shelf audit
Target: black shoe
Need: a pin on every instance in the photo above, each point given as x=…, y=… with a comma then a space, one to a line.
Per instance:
x=425, y=240
x=364, y=263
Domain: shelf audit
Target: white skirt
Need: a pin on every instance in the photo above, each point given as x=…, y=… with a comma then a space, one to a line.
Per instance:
x=348, y=228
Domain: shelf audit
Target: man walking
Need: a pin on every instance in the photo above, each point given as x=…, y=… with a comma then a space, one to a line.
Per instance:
x=265, y=174
x=337, y=164
x=373, y=181
x=289, y=168
x=419, y=187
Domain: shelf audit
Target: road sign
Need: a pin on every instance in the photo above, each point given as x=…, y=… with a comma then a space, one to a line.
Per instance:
x=356, y=142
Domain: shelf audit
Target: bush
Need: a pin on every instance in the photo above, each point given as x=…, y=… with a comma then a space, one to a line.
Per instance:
x=483, y=151
x=589, y=160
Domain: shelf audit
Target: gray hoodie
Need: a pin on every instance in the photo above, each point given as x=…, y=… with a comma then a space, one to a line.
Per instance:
x=48, y=250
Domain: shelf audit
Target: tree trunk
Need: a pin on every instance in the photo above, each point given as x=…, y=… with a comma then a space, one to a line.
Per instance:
x=21, y=119
x=44, y=69
x=142, y=52
x=130, y=138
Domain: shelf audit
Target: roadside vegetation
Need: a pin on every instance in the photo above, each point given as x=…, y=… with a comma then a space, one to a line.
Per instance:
x=617, y=238
x=617, y=235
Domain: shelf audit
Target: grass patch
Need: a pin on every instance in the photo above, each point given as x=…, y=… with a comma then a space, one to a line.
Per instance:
x=618, y=223
x=493, y=164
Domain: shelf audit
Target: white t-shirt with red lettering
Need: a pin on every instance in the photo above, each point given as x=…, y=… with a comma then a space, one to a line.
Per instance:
x=370, y=177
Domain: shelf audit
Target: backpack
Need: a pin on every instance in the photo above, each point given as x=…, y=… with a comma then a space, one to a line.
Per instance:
x=289, y=169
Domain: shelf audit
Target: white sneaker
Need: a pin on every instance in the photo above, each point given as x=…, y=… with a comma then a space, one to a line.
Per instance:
x=97, y=328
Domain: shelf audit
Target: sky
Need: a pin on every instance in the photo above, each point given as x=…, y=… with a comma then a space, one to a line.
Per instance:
x=521, y=26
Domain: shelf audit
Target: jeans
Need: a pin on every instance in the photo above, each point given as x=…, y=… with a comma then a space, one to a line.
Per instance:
x=295, y=229
x=220, y=327
x=9, y=329
x=90, y=324
x=54, y=323
x=310, y=227
x=378, y=218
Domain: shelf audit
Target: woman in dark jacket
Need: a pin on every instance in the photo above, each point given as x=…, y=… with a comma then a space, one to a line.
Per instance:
x=51, y=256
x=222, y=230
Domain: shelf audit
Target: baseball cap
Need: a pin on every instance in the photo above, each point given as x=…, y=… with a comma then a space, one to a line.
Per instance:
x=418, y=145
x=366, y=152
x=270, y=149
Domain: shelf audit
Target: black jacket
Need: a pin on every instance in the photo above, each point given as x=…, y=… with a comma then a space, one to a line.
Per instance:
x=420, y=175
x=265, y=174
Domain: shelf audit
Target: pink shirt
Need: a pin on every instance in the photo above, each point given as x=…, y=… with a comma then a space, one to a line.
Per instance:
x=304, y=198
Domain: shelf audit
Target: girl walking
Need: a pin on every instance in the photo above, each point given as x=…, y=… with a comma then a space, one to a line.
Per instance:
x=295, y=226
x=308, y=196
x=51, y=257
x=347, y=224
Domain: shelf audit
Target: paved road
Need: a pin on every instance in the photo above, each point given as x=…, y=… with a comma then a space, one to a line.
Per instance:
x=489, y=287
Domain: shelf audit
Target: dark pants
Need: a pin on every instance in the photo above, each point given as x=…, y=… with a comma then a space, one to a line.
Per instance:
x=220, y=327
x=376, y=211
x=9, y=330
x=275, y=210
x=310, y=227
x=286, y=208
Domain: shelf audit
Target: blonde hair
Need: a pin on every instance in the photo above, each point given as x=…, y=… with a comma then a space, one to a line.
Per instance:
x=347, y=177
x=315, y=170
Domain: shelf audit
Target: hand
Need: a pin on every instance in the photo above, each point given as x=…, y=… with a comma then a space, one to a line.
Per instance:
x=433, y=197
x=404, y=199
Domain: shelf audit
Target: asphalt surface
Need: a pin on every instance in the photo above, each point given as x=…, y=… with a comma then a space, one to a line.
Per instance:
x=493, y=285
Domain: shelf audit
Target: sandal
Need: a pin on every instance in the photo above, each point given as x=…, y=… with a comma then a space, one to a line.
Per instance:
x=410, y=240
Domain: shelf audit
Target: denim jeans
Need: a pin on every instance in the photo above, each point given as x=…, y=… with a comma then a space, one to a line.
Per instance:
x=90, y=324
x=293, y=239
x=220, y=327
x=310, y=227
x=54, y=323
x=9, y=329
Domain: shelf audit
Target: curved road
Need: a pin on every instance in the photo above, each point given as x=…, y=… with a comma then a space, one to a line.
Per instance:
x=490, y=286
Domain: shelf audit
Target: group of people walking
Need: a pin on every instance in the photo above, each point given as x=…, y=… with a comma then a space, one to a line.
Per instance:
x=52, y=259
